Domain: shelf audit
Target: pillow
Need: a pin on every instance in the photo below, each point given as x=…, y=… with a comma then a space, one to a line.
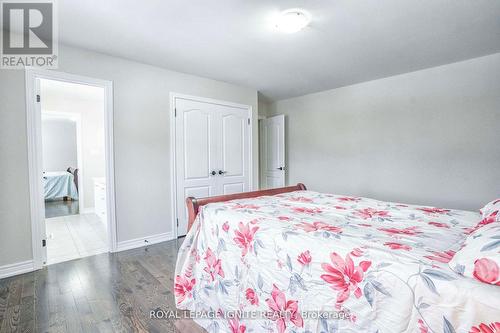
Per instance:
x=489, y=213
x=479, y=258
x=491, y=209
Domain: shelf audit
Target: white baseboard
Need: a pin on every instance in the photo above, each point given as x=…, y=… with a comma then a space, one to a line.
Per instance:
x=144, y=241
x=16, y=269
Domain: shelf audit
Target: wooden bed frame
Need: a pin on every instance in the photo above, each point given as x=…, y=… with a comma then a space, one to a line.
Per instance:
x=74, y=172
x=194, y=204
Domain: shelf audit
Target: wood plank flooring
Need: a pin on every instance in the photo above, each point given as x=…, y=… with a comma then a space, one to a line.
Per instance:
x=102, y=293
x=55, y=208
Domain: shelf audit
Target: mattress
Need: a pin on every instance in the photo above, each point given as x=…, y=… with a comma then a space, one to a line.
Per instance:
x=313, y=262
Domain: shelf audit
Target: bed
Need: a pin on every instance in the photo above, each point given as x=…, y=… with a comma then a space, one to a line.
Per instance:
x=61, y=184
x=331, y=263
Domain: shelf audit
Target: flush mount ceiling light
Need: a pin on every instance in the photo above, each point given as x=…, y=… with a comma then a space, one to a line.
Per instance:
x=292, y=20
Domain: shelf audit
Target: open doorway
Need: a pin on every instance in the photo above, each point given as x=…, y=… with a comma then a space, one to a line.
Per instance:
x=69, y=127
x=73, y=154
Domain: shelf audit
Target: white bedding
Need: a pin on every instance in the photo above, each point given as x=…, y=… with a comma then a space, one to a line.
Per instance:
x=384, y=265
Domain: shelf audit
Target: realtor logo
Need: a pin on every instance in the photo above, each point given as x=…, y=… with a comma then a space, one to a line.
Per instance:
x=29, y=34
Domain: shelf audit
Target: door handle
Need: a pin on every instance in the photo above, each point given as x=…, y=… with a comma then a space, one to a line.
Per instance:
x=222, y=172
x=281, y=168
x=213, y=173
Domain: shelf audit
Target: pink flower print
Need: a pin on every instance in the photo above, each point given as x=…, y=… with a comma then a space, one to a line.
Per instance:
x=357, y=252
x=344, y=276
x=304, y=258
x=305, y=210
x=236, y=327
x=252, y=296
x=397, y=246
x=183, y=288
x=213, y=267
x=244, y=237
x=348, y=199
x=410, y=231
x=283, y=311
x=316, y=226
x=487, y=271
x=433, y=210
x=369, y=213
x=485, y=328
x=422, y=327
x=444, y=257
x=439, y=225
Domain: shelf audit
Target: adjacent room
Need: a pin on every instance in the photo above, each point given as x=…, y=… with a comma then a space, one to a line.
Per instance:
x=73, y=164
x=248, y=166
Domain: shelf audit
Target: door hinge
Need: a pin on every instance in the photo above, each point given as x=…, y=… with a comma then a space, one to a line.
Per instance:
x=175, y=112
x=38, y=98
x=44, y=242
x=248, y=121
x=177, y=223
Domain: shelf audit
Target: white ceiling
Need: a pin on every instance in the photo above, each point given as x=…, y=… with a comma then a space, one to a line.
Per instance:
x=348, y=41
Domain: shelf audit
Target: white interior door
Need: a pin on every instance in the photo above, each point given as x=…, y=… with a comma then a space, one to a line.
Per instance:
x=274, y=138
x=234, y=142
x=212, y=152
x=195, y=155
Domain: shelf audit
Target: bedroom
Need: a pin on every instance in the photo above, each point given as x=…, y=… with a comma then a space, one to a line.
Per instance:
x=389, y=100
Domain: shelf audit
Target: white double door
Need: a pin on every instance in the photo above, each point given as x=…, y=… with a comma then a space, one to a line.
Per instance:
x=212, y=152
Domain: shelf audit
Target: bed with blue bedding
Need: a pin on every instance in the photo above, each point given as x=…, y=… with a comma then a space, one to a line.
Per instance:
x=59, y=185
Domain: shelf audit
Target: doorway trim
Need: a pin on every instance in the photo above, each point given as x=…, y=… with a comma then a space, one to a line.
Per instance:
x=35, y=166
x=173, y=145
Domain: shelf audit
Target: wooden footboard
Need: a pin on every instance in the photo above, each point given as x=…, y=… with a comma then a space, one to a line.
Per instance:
x=194, y=204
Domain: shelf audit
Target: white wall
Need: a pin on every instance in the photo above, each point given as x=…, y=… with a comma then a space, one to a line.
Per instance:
x=141, y=135
x=264, y=107
x=15, y=234
x=90, y=110
x=427, y=137
x=59, y=144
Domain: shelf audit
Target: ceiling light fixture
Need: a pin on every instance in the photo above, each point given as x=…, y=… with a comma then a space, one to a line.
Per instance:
x=292, y=20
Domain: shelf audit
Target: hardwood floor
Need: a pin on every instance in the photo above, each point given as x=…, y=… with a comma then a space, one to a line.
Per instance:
x=102, y=293
x=57, y=208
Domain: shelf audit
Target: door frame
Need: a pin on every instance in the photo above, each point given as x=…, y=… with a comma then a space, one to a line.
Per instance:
x=173, y=145
x=35, y=166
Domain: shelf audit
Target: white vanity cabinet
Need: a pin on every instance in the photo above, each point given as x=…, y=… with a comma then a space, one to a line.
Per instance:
x=100, y=198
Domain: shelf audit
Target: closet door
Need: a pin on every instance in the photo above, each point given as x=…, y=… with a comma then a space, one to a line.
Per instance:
x=233, y=130
x=196, y=154
x=212, y=152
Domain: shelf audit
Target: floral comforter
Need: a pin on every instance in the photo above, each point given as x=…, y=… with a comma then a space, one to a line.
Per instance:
x=312, y=262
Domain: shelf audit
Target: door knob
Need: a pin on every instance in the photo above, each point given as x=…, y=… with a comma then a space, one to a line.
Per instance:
x=281, y=168
x=213, y=173
x=222, y=172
